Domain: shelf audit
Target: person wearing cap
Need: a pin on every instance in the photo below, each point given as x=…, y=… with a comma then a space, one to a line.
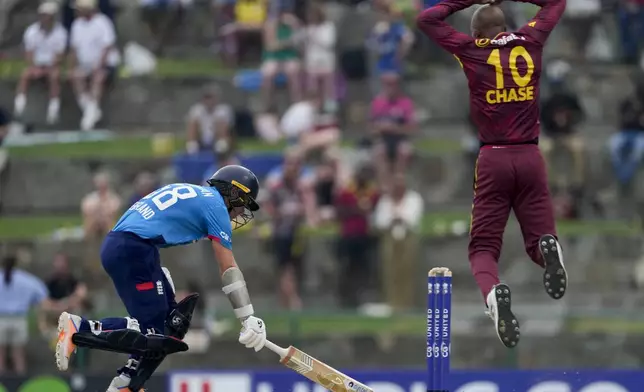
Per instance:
x=44, y=43
x=93, y=58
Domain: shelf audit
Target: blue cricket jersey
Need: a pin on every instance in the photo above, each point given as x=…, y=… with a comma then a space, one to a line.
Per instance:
x=179, y=214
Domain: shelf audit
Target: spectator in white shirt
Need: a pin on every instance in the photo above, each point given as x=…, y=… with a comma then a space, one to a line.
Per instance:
x=398, y=217
x=20, y=291
x=45, y=43
x=209, y=123
x=319, y=54
x=93, y=59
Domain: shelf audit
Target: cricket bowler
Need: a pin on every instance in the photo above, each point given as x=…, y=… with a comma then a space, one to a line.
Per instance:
x=503, y=71
x=173, y=215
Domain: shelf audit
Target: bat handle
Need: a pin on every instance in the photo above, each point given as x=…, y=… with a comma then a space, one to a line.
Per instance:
x=282, y=352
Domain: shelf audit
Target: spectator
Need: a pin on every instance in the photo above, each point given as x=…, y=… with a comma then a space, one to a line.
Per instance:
x=20, y=291
x=161, y=17
x=307, y=125
x=45, y=42
x=66, y=292
x=281, y=55
x=560, y=115
x=354, y=205
x=292, y=156
x=69, y=12
x=144, y=184
x=290, y=200
x=398, y=217
x=631, y=27
x=245, y=32
x=319, y=55
x=299, y=118
x=209, y=124
x=100, y=208
x=393, y=123
x=326, y=180
x=93, y=59
x=581, y=17
x=627, y=146
x=390, y=41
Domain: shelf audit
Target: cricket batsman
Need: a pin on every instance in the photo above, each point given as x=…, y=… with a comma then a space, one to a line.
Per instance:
x=173, y=215
x=503, y=71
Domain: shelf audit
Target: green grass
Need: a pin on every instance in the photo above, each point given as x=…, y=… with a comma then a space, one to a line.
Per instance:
x=143, y=147
x=30, y=227
x=435, y=224
x=166, y=68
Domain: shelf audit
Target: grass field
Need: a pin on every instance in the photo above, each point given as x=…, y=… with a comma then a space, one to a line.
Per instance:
x=143, y=147
x=435, y=224
x=166, y=68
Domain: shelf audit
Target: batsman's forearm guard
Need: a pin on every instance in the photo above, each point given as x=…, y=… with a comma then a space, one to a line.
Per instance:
x=237, y=293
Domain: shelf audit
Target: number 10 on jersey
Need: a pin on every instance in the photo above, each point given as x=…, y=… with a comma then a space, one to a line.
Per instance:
x=522, y=92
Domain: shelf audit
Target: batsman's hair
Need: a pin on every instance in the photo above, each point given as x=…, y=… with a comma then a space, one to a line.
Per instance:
x=8, y=265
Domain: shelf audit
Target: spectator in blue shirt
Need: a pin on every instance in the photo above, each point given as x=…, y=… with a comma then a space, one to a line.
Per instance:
x=390, y=42
x=19, y=291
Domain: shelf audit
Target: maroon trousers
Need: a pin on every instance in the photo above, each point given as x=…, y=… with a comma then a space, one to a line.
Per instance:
x=507, y=178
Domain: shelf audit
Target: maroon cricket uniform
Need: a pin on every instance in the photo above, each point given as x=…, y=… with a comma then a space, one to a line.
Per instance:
x=503, y=77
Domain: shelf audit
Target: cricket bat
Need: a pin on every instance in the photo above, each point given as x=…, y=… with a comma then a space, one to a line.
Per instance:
x=316, y=371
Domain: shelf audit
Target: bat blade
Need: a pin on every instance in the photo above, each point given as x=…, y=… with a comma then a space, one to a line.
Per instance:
x=321, y=373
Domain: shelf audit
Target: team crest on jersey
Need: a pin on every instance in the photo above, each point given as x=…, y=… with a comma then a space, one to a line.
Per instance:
x=482, y=42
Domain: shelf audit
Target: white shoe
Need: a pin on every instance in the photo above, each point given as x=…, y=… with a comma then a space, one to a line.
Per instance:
x=555, y=277
x=120, y=384
x=91, y=115
x=20, y=103
x=68, y=325
x=499, y=303
x=52, y=111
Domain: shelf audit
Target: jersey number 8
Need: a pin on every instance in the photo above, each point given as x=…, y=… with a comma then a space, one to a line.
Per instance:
x=168, y=196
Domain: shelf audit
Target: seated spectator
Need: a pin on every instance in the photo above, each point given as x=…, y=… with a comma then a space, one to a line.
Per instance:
x=45, y=42
x=144, y=184
x=20, y=291
x=398, y=217
x=209, y=125
x=627, y=146
x=245, y=32
x=93, y=59
x=161, y=17
x=560, y=116
x=319, y=55
x=631, y=28
x=390, y=41
x=354, y=205
x=392, y=125
x=281, y=54
x=292, y=156
x=327, y=179
x=106, y=7
x=308, y=126
x=66, y=292
x=580, y=18
x=100, y=208
x=290, y=203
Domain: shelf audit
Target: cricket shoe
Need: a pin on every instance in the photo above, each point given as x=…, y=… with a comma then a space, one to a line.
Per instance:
x=555, y=277
x=499, y=303
x=120, y=383
x=68, y=325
